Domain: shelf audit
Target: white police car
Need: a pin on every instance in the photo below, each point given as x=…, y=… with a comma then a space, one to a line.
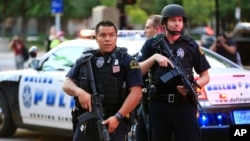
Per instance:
x=33, y=98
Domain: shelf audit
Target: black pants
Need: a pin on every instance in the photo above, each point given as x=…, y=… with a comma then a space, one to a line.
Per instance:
x=141, y=132
x=91, y=132
x=174, y=119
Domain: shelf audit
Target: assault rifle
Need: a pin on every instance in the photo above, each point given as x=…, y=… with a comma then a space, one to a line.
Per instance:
x=97, y=109
x=147, y=93
x=178, y=70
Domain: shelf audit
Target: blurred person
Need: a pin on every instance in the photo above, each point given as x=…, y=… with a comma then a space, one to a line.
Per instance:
x=52, y=35
x=152, y=28
x=122, y=88
x=87, y=34
x=33, y=50
x=227, y=47
x=173, y=109
x=17, y=45
x=59, y=39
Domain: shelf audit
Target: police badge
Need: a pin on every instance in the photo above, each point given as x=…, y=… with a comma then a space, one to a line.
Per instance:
x=180, y=53
x=99, y=62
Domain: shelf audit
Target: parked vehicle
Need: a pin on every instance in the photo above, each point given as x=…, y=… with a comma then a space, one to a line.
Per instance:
x=241, y=34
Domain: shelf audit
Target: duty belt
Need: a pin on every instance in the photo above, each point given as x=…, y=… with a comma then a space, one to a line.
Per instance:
x=170, y=98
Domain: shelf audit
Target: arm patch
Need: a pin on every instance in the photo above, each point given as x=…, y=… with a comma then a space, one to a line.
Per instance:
x=134, y=65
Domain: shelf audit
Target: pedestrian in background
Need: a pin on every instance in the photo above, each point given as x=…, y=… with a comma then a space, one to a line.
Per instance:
x=173, y=111
x=52, y=35
x=152, y=28
x=17, y=45
x=227, y=47
x=59, y=39
x=122, y=88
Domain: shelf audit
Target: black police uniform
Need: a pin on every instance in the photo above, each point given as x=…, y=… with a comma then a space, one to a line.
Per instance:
x=176, y=113
x=110, y=73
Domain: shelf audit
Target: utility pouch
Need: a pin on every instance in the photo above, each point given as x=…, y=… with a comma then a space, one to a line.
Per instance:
x=75, y=113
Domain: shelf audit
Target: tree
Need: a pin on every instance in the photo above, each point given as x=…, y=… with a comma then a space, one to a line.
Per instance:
x=41, y=10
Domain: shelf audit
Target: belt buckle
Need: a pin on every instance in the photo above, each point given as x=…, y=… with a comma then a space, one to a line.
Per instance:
x=170, y=98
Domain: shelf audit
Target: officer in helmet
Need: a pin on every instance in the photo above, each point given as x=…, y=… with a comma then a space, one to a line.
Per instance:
x=172, y=109
x=33, y=51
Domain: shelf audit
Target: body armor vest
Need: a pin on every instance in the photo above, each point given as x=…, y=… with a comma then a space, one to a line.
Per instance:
x=156, y=71
x=108, y=75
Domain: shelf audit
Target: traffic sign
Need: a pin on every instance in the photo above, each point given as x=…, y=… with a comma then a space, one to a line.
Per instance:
x=56, y=6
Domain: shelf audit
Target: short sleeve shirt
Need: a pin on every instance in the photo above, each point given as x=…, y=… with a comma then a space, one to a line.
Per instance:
x=191, y=57
x=129, y=65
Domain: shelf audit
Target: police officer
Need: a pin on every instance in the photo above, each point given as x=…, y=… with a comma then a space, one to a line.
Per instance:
x=153, y=27
x=112, y=69
x=172, y=110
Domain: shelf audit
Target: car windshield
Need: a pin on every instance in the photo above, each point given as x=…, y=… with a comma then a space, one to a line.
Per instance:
x=62, y=59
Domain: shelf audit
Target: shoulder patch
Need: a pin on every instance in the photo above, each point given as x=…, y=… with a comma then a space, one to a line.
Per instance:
x=134, y=64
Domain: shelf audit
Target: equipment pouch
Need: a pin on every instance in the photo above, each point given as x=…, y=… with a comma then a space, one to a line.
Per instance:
x=75, y=113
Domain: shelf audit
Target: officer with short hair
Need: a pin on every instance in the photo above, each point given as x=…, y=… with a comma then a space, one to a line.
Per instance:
x=173, y=110
x=153, y=27
x=117, y=77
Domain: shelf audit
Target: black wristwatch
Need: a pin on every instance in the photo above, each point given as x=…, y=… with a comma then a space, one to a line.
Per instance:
x=119, y=116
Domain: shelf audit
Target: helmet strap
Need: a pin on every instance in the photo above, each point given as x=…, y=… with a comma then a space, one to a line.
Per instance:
x=174, y=32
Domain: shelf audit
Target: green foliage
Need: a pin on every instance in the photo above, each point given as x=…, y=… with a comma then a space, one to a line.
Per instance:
x=79, y=8
x=199, y=12
x=136, y=14
x=108, y=2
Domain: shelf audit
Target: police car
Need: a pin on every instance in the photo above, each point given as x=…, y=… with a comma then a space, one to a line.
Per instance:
x=33, y=98
x=225, y=99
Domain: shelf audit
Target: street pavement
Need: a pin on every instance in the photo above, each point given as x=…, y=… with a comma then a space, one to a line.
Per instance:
x=7, y=61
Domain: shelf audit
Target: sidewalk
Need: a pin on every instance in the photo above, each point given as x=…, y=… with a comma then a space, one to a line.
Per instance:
x=6, y=55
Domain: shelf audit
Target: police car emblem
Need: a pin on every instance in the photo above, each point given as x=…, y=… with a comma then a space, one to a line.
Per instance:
x=99, y=62
x=27, y=96
x=180, y=53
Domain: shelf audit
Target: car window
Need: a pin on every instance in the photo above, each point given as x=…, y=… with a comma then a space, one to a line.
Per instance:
x=62, y=59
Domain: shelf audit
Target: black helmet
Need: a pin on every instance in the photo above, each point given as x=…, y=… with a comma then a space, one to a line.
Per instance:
x=173, y=10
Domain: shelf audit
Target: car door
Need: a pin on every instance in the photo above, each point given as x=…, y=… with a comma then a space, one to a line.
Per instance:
x=41, y=98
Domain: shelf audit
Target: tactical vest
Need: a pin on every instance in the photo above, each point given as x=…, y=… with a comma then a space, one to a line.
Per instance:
x=156, y=72
x=108, y=77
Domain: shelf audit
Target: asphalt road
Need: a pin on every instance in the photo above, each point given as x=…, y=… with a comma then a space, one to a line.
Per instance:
x=24, y=135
